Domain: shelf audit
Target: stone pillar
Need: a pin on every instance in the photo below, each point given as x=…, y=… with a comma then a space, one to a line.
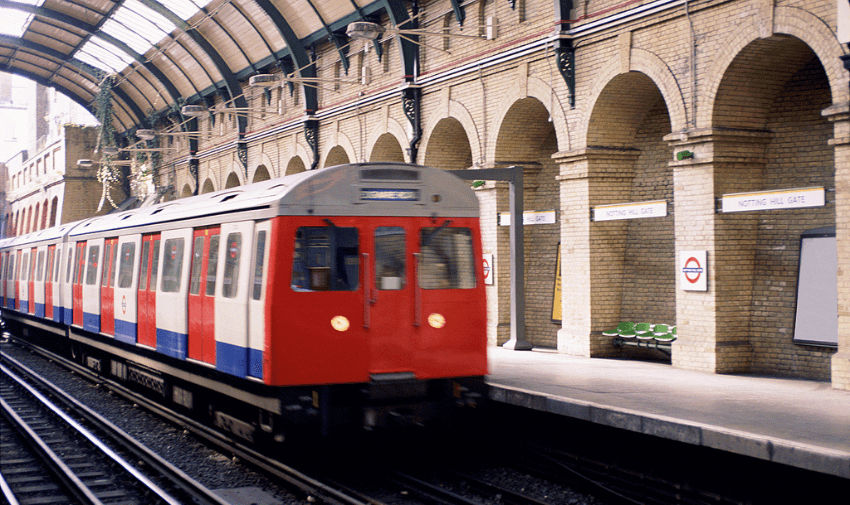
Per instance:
x=839, y=115
x=713, y=325
x=495, y=240
x=592, y=254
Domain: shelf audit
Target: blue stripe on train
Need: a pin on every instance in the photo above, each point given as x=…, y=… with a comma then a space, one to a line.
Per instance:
x=57, y=313
x=91, y=322
x=39, y=309
x=238, y=361
x=172, y=343
x=125, y=331
x=68, y=315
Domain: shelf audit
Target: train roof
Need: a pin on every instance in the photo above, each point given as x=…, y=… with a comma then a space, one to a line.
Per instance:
x=362, y=189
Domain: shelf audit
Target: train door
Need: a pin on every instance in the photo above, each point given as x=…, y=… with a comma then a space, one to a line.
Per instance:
x=107, y=286
x=172, y=289
x=79, y=270
x=390, y=325
x=11, y=263
x=23, y=283
x=231, y=301
x=257, y=299
x=38, y=285
x=449, y=299
x=18, y=280
x=56, y=285
x=69, y=271
x=48, y=282
x=91, y=286
x=148, y=270
x=126, y=288
x=31, y=282
x=205, y=245
x=4, y=259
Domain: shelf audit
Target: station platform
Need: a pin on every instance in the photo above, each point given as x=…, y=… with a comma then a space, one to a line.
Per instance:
x=800, y=423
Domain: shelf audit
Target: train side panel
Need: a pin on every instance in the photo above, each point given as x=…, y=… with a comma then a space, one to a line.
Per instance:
x=257, y=298
x=91, y=284
x=126, y=288
x=37, y=283
x=231, y=300
x=172, y=330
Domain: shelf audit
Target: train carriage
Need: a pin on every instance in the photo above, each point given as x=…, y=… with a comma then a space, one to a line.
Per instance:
x=346, y=296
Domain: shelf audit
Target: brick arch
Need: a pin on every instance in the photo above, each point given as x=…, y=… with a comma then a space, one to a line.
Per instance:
x=187, y=191
x=234, y=176
x=295, y=162
x=543, y=93
x=336, y=155
x=448, y=146
x=261, y=173
x=208, y=186
x=332, y=152
x=262, y=160
x=379, y=140
x=459, y=113
x=798, y=23
x=523, y=127
x=656, y=71
x=296, y=165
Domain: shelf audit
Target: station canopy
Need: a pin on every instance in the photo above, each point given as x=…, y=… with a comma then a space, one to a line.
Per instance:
x=161, y=54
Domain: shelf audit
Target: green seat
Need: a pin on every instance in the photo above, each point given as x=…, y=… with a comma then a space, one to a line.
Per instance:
x=643, y=331
x=661, y=329
x=668, y=337
x=627, y=331
x=623, y=326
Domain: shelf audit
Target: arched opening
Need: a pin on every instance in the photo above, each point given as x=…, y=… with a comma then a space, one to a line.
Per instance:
x=187, y=191
x=208, y=187
x=768, y=105
x=54, y=207
x=527, y=138
x=448, y=146
x=387, y=148
x=232, y=181
x=261, y=174
x=336, y=156
x=295, y=166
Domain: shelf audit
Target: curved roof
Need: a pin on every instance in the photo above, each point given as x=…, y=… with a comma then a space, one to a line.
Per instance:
x=162, y=54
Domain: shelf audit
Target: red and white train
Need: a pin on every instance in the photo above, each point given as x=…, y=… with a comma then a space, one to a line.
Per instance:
x=348, y=296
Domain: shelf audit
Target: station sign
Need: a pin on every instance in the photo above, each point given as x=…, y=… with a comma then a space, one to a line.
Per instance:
x=797, y=198
x=530, y=217
x=487, y=259
x=635, y=210
x=693, y=270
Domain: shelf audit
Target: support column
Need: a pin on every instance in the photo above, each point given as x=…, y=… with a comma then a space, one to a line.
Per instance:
x=592, y=254
x=714, y=325
x=839, y=115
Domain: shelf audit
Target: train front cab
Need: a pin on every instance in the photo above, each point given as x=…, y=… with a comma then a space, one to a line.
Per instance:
x=395, y=304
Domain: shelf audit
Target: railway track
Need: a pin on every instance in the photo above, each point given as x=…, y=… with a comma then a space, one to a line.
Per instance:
x=82, y=467
x=302, y=485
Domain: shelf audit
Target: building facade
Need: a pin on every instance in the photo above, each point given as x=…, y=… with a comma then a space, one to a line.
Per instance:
x=669, y=104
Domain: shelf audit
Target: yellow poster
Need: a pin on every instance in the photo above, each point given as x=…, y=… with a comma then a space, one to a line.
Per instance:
x=556, y=296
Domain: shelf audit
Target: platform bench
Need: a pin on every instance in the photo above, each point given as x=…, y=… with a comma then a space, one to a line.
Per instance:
x=651, y=336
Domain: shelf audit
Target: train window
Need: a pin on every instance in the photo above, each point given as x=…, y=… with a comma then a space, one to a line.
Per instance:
x=11, y=270
x=107, y=263
x=154, y=264
x=70, y=265
x=446, y=260
x=212, y=264
x=125, y=266
x=113, y=261
x=326, y=259
x=93, y=258
x=258, y=264
x=48, y=270
x=197, y=261
x=143, y=267
x=24, y=264
x=172, y=265
x=389, y=257
x=230, y=279
x=56, y=262
x=39, y=269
